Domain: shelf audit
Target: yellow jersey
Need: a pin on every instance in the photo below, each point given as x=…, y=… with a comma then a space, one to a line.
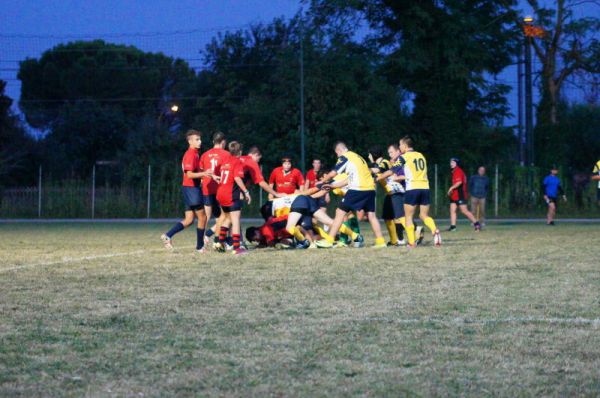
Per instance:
x=389, y=185
x=415, y=170
x=597, y=171
x=340, y=191
x=281, y=206
x=359, y=174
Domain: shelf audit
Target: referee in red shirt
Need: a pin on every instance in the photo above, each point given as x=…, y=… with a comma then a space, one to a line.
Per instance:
x=459, y=196
x=285, y=178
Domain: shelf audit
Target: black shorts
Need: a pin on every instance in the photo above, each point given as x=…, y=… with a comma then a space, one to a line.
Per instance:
x=237, y=205
x=358, y=200
x=416, y=197
x=598, y=195
x=552, y=200
x=192, y=198
x=304, y=205
x=211, y=200
x=393, y=206
x=459, y=202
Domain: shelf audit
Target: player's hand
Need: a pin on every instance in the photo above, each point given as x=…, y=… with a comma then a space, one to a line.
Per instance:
x=216, y=178
x=280, y=195
x=371, y=158
x=326, y=187
x=450, y=192
x=564, y=198
x=247, y=196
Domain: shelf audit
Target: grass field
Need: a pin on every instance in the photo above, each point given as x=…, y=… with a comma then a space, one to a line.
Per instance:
x=103, y=310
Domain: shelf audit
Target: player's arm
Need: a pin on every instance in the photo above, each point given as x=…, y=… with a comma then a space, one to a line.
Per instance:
x=240, y=183
x=200, y=174
x=454, y=186
x=384, y=175
x=335, y=184
x=269, y=189
x=595, y=175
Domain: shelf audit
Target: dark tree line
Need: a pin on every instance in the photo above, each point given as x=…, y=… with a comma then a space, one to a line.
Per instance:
x=422, y=68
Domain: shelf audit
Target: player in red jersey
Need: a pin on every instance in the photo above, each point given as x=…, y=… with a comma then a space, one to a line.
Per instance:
x=459, y=196
x=229, y=195
x=272, y=232
x=286, y=179
x=252, y=173
x=312, y=176
x=192, y=193
x=212, y=160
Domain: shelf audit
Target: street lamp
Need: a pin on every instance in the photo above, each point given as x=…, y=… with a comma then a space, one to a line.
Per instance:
x=174, y=108
x=528, y=19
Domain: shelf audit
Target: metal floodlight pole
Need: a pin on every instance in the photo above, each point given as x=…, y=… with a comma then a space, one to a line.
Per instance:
x=528, y=102
x=149, y=190
x=496, y=193
x=302, y=149
x=40, y=193
x=520, y=105
x=93, y=190
x=435, y=182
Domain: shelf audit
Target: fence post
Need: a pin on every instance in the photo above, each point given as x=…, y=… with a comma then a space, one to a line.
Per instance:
x=496, y=194
x=149, y=187
x=435, y=192
x=260, y=191
x=93, y=190
x=40, y=193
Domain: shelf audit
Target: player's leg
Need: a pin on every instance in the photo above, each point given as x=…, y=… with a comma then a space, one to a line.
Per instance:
x=201, y=227
x=387, y=213
x=167, y=237
x=409, y=227
x=291, y=226
x=464, y=210
x=430, y=224
x=334, y=228
x=236, y=228
x=376, y=227
x=452, y=217
x=551, y=213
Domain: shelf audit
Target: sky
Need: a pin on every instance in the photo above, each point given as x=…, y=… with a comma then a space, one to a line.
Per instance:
x=177, y=28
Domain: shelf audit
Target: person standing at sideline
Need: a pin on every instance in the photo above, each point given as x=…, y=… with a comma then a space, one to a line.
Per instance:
x=551, y=189
x=478, y=187
x=596, y=177
x=458, y=195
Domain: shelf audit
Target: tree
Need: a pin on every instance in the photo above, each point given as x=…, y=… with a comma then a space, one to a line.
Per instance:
x=16, y=146
x=442, y=52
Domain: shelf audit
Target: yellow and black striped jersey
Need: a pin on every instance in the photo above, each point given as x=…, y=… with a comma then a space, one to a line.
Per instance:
x=359, y=174
x=389, y=186
x=597, y=171
x=415, y=170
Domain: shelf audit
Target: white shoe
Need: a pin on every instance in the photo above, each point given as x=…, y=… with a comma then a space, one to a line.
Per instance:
x=437, y=238
x=401, y=242
x=201, y=251
x=167, y=242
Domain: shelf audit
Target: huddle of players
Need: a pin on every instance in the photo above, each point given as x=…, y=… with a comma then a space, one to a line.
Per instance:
x=216, y=184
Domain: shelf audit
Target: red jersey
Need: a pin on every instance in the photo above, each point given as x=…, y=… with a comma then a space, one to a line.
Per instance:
x=212, y=160
x=228, y=190
x=191, y=162
x=286, y=182
x=252, y=173
x=274, y=229
x=460, y=193
x=311, y=177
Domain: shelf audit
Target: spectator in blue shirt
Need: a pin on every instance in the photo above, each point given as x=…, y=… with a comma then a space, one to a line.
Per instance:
x=551, y=189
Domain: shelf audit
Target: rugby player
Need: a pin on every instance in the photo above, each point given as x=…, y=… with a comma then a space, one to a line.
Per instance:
x=459, y=196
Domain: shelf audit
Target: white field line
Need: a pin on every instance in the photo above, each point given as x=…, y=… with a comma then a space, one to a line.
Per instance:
x=72, y=260
x=595, y=322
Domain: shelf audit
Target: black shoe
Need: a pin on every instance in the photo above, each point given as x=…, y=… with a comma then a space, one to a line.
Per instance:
x=551, y=223
x=452, y=228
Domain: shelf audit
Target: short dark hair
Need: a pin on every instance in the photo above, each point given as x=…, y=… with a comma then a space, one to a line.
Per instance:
x=235, y=148
x=254, y=150
x=286, y=158
x=408, y=141
x=192, y=132
x=395, y=146
x=339, y=143
x=376, y=151
x=319, y=159
x=218, y=137
x=250, y=232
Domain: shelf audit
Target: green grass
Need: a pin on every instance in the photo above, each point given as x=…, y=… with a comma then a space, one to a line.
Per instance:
x=512, y=311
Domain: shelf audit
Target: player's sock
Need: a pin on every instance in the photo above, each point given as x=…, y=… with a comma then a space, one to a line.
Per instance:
x=391, y=227
x=399, y=231
x=353, y=224
x=324, y=234
x=402, y=221
x=236, y=241
x=294, y=231
x=429, y=223
x=345, y=230
x=176, y=228
x=210, y=233
x=223, y=234
x=199, y=238
x=410, y=234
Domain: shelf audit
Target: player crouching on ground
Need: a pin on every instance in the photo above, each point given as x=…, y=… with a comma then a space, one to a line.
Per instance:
x=360, y=194
x=192, y=193
x=229, y=193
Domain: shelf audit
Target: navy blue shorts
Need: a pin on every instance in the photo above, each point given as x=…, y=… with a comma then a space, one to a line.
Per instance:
x=211, y=200
x=393, y=206
x=306, y=222
x=304, y=205
x=237, y=205
x=416, y=197
x=321, y=201
x=358, y=200
x=192, y=198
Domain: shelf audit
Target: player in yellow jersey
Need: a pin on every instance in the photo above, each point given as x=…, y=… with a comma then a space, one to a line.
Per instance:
x=596, y=177
x=417, y=191
x=360, y=194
